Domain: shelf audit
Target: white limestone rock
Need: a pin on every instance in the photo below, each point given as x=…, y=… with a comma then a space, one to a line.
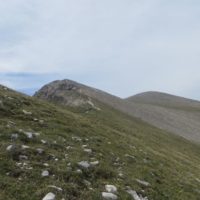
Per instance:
x=25, y=147
x=50, y=196
x=43, y=141
x=45, y=173
x=40, y=151
x=109, y=196
x=111, y=188
x=9, y=148
x=144, y=183
x=88, y=150
x=29, y=135
x=27, y=112
x=94, y=163
x=55, y=187
x=84, y=164
x=135, y=196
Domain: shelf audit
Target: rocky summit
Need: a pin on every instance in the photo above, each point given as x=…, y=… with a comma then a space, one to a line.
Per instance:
x=72, y=142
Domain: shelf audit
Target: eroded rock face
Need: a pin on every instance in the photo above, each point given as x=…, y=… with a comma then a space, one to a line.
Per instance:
x=67, y=93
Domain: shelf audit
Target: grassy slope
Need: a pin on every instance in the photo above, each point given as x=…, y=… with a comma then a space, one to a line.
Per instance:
x=170, y=164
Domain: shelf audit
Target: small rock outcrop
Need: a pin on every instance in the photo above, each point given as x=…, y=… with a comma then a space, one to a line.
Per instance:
x=50, y=196
x=84, y=164
x=45, y=173
x=111, y=188
x=109, y=196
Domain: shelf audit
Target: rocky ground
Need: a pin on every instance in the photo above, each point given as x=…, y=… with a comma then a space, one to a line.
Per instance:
x=49, y=152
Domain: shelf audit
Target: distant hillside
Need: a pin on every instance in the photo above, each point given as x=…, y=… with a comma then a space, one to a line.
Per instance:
x=164, y=100
x=53, y=152
x=175, y=114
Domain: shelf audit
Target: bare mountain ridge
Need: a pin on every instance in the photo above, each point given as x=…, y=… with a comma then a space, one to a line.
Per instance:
x=177, y=115
x=164, y=99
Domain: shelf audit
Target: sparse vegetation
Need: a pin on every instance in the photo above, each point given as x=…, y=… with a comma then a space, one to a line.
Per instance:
x=127, y=149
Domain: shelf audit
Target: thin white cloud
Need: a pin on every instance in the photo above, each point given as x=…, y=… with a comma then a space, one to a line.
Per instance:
x=123, y=47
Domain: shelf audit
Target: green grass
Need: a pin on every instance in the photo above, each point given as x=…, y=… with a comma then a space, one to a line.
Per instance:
x=170, y=164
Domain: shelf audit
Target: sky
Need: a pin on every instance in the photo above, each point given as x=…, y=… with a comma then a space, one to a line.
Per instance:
x=122, y=47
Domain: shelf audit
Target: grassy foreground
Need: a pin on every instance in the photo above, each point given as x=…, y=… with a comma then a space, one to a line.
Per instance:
x=126, y=148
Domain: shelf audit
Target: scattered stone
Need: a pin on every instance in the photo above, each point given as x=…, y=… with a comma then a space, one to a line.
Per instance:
x=27, y=112
x=121, y=175
x=49, y=196
x=45, y=173
x=94, y=163
x=135, y=196
x=40, y=151
x=198, y=180
x=29, y=135
x=111, y=188
x=54, y=187
x=75, y=138
x=25, y=147
x=144, y=183
x=14, y=136
x=46, y=164
x=29, y=168
x=43, y=141
x=10, y=98
x=109, y=196
x=36, y=134
x=68, y=147
x=88, y=150
x=18, y=164
x=41, y=121
x=9, y=148
x=79, y=171
x=84, y=146
x=84, y=164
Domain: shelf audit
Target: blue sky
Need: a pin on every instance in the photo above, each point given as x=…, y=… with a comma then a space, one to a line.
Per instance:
x=122, y=47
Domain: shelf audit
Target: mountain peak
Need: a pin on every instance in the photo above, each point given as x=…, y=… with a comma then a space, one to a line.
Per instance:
x=66, y=92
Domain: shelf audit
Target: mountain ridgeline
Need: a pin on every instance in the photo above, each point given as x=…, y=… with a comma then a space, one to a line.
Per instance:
x=174, y=114
x=73, y=142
